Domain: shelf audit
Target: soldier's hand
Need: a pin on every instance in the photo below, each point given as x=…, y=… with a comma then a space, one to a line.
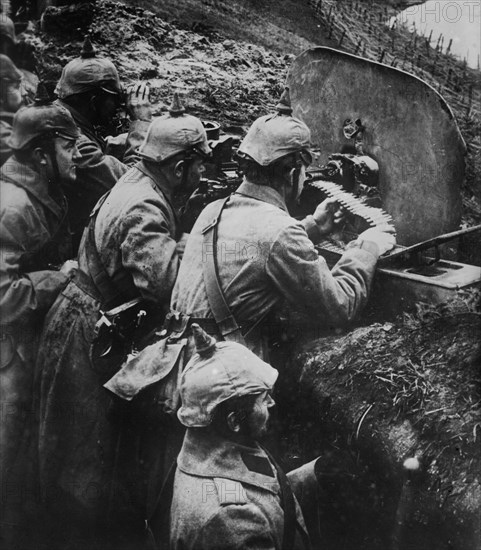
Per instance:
x=385, y=239
x=138, y=102
x=328, y=214
x=69, y=268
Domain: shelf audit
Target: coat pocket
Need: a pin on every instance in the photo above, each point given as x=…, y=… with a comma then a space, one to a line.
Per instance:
x=7, y=349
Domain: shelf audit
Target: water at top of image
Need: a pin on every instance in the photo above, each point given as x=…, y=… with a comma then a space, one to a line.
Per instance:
x=459, y=20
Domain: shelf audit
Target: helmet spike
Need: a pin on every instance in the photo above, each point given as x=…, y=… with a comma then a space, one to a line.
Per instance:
x=87, y=49
x=42, y=96
x=176, y=108
x=284, y=106
x=204, y=343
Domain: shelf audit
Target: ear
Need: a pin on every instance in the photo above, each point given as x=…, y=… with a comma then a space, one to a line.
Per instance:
x=40, y=156
x=233, y=422
x=179, y=169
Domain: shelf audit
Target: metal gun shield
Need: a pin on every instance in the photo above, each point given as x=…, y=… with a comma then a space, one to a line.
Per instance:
x=407, y=127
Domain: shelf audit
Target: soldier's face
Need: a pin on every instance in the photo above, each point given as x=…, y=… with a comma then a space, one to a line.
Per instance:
x=258, y=420
x=108, y=105
x=12, y=99
x=301, y=180
x=67, y=154
x=195, y=170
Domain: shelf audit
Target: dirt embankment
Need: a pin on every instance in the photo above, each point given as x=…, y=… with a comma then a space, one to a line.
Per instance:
x=230, y=81
x=387, y=392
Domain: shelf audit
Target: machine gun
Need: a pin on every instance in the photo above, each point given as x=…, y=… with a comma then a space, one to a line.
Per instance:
x=222, y=175
x=388, y=142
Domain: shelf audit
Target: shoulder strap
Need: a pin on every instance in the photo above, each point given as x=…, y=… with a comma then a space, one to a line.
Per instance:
x=289, y=506
x=226, y=322
x=111, y=289
x=158, y=522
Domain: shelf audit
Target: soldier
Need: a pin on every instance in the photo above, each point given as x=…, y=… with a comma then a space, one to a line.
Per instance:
x=10, y=102
x=227, y=491
x=263, y=256
x=131, y=249
x=90, y=89
x=35, y=247
x=22, y=54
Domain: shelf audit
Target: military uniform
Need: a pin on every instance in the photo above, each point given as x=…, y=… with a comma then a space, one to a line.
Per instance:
x=227, y=496
x=80, y=442
x=6, y=121
x=34, y=237
x=265, y=256
x=97, y=170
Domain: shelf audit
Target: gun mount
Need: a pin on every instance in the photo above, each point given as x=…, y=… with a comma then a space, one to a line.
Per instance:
x=222, y=176
x=390, y=142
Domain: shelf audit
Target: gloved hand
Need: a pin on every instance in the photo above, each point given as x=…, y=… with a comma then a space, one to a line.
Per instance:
x=383, y=238
x=138, y=102
x=327, y=215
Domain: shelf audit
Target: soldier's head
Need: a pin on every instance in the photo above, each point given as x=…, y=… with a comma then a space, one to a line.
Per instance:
x=10, y=85
x=8, y=38
x=44, y=137
x=91, y=84
x=276, y=151
x=176, y=145
x=226, y=388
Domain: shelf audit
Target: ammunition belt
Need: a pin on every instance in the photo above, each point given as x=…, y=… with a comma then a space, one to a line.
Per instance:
x=355, y=205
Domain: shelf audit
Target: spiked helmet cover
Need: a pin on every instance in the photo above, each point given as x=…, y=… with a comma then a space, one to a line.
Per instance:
x=217, y=372
x=43, y=118
x=173, y=133
x=88, y=72
x=8, y=70
x=274, y=136
x=7, y=28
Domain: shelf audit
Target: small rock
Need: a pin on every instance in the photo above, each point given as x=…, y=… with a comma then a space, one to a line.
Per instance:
x=228, y=44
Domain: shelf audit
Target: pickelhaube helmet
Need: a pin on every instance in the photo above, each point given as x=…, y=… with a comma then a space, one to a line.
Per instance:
x=173, y=133
x=8, y=70
x=274, y=136
x=88, y=72
x=43, y=118
x=219, y=371
x=7, y=28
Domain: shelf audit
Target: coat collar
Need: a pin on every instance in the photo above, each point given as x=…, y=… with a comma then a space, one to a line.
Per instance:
x=7, y=116
x=85, y=125
x=32, y=182
x=205, y=454
x=158, y=183
x=262, y=193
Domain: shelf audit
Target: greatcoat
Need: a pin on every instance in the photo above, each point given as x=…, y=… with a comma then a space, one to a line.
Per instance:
x=34, y=241
x=226, y=496
x=266, y=257
x=97, y=170
x=82, y=441
x=6, y=122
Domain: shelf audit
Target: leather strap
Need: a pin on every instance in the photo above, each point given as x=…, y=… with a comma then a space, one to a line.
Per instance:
x=112, y=290
x=158, y=523
x=289, y=506
x=226, y=322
